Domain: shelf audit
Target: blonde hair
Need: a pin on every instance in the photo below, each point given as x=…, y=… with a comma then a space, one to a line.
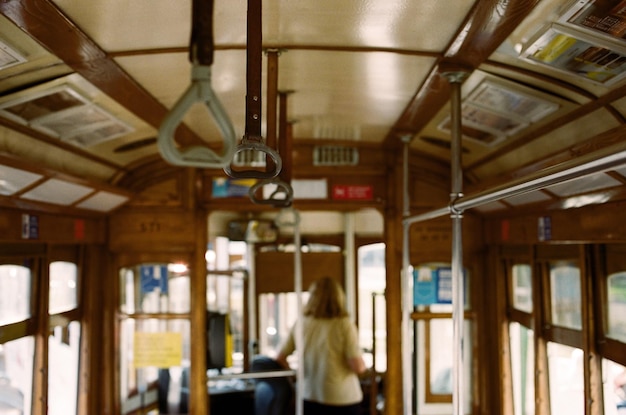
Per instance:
x=326, y=299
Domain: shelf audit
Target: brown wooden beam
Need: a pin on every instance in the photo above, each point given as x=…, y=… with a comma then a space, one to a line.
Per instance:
x=47, y=24
x=486, y=27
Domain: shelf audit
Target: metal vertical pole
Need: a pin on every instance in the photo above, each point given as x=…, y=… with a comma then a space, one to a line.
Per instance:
x=458, y=294
x=253, y=341
x=283, y=220
x=349, y=259
x=407, y=304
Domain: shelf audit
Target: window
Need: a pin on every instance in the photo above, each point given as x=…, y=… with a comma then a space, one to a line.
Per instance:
x=565, y=295
x=15, y=283
x=155, y=337
x=522, y=287
x=277, y=313
x=64, y=339
x=617, y=306
x=17, y=348
x=372, y=313
x=522, y=368
x=434, y=347
x=565, y=369
x=16, y=375
x=63, y=284
x=614, y=386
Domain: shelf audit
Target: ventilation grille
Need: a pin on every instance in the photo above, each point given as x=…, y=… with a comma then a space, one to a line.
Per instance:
x=335, y=156
x=495, y=110
x=9, y=57
x=64, y=113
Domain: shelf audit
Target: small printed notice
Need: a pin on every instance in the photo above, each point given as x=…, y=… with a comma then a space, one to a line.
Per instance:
x=162, y=349
x=352, y=192
x=433, y=285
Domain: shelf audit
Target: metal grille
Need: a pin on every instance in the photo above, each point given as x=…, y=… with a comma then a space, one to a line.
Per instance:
x=335, y=156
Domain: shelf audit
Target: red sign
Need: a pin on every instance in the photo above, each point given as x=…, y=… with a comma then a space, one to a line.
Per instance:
x=352, y=192
x=79, y=229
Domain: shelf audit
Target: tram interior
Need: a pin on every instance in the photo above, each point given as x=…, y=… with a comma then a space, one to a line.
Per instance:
x=107, y=192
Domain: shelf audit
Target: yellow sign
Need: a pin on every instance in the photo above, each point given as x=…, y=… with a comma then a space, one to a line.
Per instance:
x=162, y=349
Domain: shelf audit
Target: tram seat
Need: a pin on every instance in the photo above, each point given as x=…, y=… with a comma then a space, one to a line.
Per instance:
x=272, y=396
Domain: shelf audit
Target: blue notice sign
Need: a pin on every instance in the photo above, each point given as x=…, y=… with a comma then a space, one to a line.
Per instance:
x=433, y=285
x=153, y=277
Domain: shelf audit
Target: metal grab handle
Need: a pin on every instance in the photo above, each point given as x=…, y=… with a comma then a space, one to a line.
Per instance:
x=199, y=156
x=249, y=144
x=201, y=56
x=282, y=188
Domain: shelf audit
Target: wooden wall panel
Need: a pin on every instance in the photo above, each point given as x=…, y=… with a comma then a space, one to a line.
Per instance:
x=146, y=231
x=431, y=241
x=275, y=270
x=49, y=228
x=590, y=223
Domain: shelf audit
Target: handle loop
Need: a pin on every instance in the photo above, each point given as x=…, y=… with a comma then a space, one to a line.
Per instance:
x=198, y=156
x=274, y=199
x=255, y=145
x=201, y=56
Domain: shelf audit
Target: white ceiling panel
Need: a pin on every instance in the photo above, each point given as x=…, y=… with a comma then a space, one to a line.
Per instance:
x=57, y=192
x=589, y=183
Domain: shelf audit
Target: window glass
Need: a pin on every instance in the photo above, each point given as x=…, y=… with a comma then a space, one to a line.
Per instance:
x=63, y=281
x=16, y=376
x=63, y=358
x=522, y=287
x=146, y=376
x=565, y=369
x=155, y=288
x=372, y=282
x=565, y=295
x=277, y=313
x=14, y=293
x=523, y=369
x=614, y=387
x=441, y=354
x=617, y=306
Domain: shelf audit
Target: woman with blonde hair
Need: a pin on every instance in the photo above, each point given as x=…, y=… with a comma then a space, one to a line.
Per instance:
x=330, y=350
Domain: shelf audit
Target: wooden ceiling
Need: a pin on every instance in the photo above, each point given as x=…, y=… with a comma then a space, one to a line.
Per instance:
x=365, y=73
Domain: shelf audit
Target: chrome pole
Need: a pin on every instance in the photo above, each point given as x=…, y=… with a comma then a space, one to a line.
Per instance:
x=456, y=79
x=407, y=304
x=598, y=161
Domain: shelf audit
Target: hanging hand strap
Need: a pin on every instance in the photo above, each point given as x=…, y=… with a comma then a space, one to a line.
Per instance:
x=252, y=140
x=201, y=56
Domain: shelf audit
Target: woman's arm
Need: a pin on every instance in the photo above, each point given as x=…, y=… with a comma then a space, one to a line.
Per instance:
x=281, y=358
x=357, y=365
